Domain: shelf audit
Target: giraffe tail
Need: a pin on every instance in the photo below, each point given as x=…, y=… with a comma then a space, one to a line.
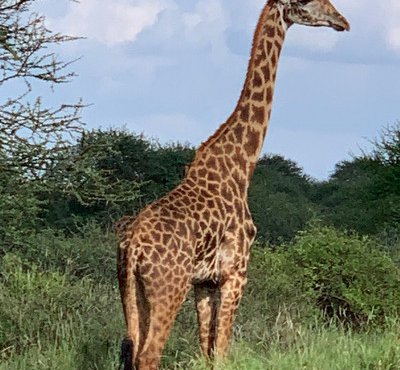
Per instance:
x=126, y=357
x=127, y=286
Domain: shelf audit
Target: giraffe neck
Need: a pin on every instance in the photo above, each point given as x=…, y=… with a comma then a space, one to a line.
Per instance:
x=235, y=147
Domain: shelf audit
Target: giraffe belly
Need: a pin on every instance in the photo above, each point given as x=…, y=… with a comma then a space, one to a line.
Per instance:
x=206, y=268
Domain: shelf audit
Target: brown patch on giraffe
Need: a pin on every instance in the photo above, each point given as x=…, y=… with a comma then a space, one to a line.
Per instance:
x=253, y=142
x=257, y=80
x=180, y=259
x=155, y=258
x=244, y=112
x=229, y=148
x=170, y=223
x=205, y=193
x=145, y=269
x=258, y=96
x=240, y=181
x=213, y=187
x=210, y=203
x=217, y=150
x=270, y=30
x=228, y=161
x=238, y=131
x=202, y=183
x=269, y=94
x=166, y=239
x=258, y=114
x=227, y=194
x=280, y=33
x=213, y=176
x=260, y=57
x=222, y=167
x=266, y=72
x=202, y=172
x=200, y=206
x=239, y=159
x=190, y=182
x=211, y=163
x=273, y=58
x=214, y=226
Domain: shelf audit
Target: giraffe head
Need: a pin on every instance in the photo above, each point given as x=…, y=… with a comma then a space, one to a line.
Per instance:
x=316, y=13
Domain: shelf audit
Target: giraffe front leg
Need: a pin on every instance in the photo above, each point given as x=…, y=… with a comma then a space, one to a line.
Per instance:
x=231, y=292
x=207, y=302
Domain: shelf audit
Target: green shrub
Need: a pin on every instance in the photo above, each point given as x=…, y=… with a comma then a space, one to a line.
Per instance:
x=347, y=277
x=279, y=199
x=91, y=252
x=272, y=304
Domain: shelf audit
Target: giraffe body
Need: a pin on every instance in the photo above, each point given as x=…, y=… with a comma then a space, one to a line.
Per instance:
x=200, y=233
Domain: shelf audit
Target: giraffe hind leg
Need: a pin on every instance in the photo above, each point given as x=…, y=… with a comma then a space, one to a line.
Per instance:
x=231, y=293
x=207, y=302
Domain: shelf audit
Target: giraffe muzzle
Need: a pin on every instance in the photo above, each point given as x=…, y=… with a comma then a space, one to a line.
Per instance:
x=339, y=23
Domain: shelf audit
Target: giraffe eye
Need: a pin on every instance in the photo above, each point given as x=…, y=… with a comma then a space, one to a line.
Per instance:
x=304, y=2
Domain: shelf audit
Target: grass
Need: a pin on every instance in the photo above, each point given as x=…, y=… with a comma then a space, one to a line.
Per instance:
x=61, y=317
x=81, y=345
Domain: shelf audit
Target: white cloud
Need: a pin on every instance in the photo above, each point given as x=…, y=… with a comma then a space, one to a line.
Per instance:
x=377, y=17
x=110, y=22
x=171, y=127
x=313, y=39
x=394, y=38
x=207, y=24
x=393, y=33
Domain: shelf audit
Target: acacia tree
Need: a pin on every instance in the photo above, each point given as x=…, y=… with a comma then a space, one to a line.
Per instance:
x=32, y=136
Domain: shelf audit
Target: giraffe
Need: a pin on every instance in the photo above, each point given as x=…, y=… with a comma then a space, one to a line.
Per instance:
x=200, y=233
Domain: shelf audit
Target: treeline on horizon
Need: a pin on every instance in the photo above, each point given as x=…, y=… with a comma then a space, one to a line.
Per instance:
x=111, y=173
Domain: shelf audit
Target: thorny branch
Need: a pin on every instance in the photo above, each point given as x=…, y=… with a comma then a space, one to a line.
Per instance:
x=31, y=136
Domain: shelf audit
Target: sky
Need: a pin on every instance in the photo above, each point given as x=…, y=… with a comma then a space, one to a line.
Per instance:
x=173, y=70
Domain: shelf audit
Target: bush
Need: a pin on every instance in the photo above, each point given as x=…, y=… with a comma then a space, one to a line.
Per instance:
x=91, y=252
x=348, y=278
x=279, y=199
x=272, y=303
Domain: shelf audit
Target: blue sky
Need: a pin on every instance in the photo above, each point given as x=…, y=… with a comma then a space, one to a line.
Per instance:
x=173, y=70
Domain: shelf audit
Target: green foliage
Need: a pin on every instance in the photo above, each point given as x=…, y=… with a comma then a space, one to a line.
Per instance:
x=89, y=252
x=85, y=184
x=112, y=173
x=32, y=136
x=46, y=310
x=19, y=208
x=273, y=298
x=348, y=278
x=48, y=321
x=279, y=199
x=134, y=159
x=352, y=199
x=364, y=193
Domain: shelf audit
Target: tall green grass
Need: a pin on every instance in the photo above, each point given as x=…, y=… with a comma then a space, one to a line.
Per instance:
x=54, y=316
